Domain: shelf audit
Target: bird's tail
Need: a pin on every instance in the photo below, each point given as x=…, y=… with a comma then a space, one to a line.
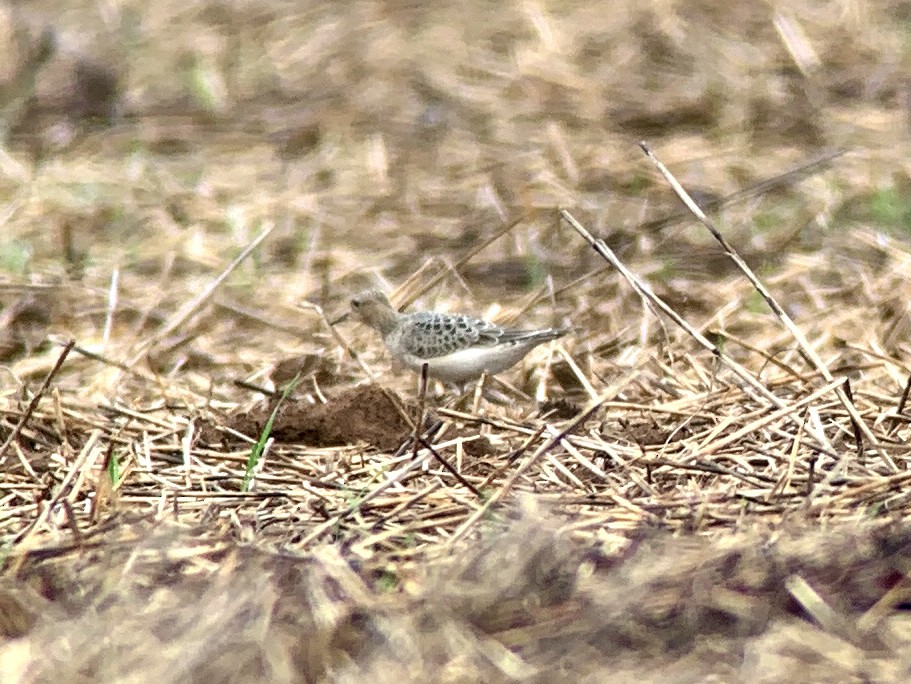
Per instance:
x=538, y=336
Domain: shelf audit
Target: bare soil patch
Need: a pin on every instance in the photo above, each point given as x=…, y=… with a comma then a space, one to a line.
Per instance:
x=361, y=414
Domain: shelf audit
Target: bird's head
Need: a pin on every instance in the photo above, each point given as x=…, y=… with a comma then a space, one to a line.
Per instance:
x=373, y=308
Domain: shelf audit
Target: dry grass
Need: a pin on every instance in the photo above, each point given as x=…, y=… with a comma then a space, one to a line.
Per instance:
x=694, y=484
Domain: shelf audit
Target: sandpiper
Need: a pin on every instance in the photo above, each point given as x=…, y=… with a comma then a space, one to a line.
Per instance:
x=455, y=347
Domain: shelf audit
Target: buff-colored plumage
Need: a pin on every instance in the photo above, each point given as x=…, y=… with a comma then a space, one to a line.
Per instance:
x=455, y=347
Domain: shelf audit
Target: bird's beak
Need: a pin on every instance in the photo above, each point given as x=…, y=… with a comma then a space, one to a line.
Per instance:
x=341, y=319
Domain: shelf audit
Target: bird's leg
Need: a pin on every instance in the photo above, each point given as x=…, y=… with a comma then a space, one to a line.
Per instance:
x=458, y=391
x=461, y=391
x=478, y=393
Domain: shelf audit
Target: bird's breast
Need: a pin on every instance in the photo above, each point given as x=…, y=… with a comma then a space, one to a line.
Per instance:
x=468, y=364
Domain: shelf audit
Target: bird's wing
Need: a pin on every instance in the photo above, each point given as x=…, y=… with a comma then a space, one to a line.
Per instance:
x=429, y=335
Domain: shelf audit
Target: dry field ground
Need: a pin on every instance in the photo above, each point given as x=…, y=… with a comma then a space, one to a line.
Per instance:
x=206, y=478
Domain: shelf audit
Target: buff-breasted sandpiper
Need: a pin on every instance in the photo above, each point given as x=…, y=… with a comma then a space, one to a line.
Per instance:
x=456, y=348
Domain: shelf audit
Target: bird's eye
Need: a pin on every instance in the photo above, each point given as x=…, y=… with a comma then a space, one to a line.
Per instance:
x=355, y=303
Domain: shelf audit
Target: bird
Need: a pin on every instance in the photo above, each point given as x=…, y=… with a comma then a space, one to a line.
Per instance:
x=456, y=348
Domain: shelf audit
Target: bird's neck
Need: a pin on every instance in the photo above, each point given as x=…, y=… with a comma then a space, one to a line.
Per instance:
x=387, y=320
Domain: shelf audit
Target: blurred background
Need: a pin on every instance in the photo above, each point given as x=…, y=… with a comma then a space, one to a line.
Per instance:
x=424, y=148
x=144, y=144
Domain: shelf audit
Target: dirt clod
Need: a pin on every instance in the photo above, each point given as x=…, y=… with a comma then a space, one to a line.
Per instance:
x=360, y=414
